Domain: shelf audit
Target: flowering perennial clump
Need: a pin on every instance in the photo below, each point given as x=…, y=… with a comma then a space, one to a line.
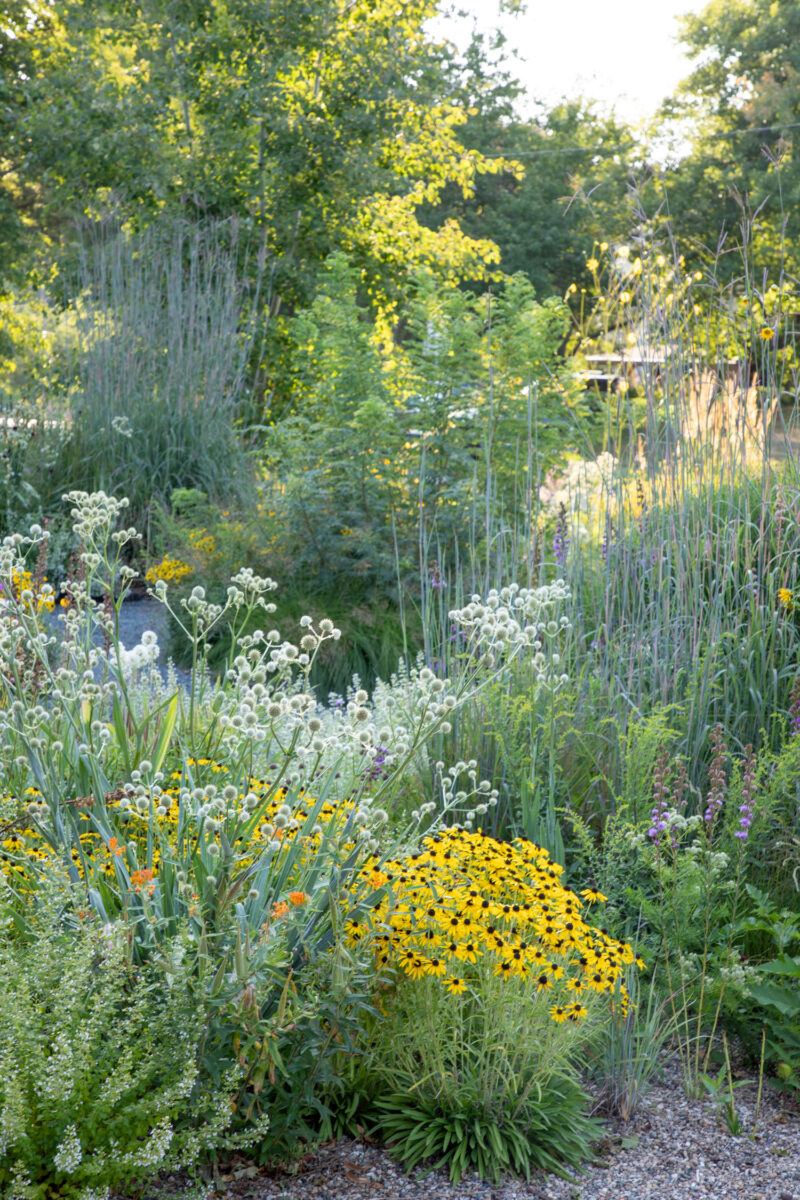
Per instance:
x=170, y=570
x=26, y=848
x=466, y=899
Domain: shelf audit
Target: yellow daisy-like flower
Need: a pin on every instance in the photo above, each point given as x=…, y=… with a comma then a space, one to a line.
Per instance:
x=592, y=896
x=464, y=903
x=786, y=597
x=170, y=570
x=592, y=264
x=767, y=334
x=455, y=986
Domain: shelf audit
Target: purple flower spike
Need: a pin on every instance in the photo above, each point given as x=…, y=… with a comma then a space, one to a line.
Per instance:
x=561, y=537
x=747, y=806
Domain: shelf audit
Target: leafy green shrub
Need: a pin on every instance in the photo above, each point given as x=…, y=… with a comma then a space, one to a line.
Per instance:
x=100, y=1082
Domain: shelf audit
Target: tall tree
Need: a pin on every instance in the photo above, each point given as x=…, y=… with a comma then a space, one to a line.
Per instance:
x=741, y=105
x=571, y=184
x=323, y=123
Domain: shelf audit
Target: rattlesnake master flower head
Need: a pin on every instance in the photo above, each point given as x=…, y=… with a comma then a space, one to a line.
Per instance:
x=507, y=621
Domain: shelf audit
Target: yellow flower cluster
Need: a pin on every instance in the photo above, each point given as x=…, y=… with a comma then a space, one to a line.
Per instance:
x=463, y=903
x=202, y=541
x=786, y=597
x=466, y=897
x=25, y=850
x=170, y=569
x=22, y=581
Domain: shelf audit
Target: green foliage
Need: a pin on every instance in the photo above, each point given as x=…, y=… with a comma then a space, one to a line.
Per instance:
x=774, y=846
x=383, y=438
x=330, y=455
x=323, y=124
x=721, y=1089
x=767, y=993
x=32, y=431
x=779, y=998
x=553, y=1133
x=740, y=160
x=478, y=1082
x=99, y=1061
x=574, y=189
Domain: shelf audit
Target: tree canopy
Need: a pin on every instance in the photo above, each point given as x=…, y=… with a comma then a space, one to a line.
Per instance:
x=323, y=123
x=742, y=102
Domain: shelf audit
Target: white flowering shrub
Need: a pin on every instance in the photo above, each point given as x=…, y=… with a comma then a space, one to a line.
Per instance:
x=99, y=1078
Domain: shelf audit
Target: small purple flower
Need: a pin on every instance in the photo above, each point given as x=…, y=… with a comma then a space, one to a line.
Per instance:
x=437, y=583
x=660, y=795
x=748, y=795
x=376, y=770
x=561, y=537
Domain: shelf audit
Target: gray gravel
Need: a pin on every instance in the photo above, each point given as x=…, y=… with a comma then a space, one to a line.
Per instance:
x=674, y=1149
x=137, y=615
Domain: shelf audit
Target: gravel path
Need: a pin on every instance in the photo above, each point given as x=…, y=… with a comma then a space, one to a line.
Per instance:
x=138, y=614
x=674, y=1149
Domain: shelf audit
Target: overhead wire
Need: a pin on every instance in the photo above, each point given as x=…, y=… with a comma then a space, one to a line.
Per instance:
x=605, y=146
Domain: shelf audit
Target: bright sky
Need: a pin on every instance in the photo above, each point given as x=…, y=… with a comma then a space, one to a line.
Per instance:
x=622, y=52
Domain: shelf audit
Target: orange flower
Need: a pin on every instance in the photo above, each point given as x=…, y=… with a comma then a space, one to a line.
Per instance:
x=298, y=897
x=140, y=877
x=279, y=910
x=115, y=848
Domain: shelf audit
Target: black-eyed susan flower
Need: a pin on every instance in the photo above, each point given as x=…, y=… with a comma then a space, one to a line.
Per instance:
x=471, y=900
x=455, y=986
